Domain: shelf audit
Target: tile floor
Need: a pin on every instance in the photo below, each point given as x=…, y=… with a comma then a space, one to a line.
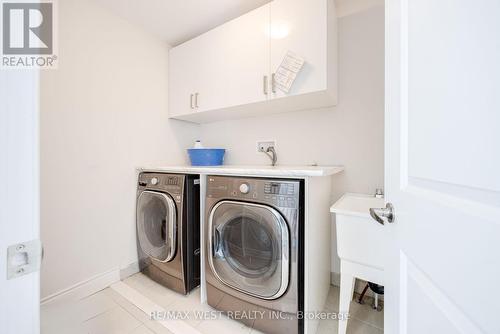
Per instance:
x=108, y=312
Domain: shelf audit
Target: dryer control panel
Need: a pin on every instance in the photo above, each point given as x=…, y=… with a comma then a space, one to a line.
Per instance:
x=171, y=183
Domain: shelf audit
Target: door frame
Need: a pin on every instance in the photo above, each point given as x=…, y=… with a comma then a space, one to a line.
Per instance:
x=19, y=196
x=394, y=76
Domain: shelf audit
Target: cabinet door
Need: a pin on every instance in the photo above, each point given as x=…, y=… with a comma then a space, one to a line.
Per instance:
x=235, y=59
x=185, y=65
x=300, y=27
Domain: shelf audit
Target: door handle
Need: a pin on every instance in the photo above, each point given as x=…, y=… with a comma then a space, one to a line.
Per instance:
x=383, y=214
x=191, y=101
x=264, y=84
x=216, y=244
x=196, y=100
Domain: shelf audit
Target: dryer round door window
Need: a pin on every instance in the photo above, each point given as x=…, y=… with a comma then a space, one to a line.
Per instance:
x=156, y=225
x=249, y=247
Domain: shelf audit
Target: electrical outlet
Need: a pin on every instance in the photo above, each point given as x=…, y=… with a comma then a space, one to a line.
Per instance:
x=262, y=146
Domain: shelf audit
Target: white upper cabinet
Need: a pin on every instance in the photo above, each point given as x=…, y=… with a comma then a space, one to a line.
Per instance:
x=186, y=67
x=235, y=62
x=228, y=72
x=302, y=30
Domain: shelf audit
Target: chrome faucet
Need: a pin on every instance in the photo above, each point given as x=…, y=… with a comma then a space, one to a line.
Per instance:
x=271, y=153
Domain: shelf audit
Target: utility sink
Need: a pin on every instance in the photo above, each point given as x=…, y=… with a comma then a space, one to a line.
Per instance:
x=360, y=238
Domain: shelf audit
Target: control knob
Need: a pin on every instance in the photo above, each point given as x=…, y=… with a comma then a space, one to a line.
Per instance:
x=244, y=188
x=154, y=181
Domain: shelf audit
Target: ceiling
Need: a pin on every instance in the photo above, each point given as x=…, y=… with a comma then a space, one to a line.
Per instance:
x=177, y=21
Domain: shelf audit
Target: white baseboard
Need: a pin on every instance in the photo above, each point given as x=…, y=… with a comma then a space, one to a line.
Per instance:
x=85, y=288
x=131, y=269
x=335, y=278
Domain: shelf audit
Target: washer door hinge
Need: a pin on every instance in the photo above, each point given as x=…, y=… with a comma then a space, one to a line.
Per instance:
x=24, y=258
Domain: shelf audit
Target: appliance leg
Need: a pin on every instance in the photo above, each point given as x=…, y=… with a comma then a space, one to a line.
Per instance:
x=346, y=292
x=360, y=300
x=375, y=301
x=376, y=305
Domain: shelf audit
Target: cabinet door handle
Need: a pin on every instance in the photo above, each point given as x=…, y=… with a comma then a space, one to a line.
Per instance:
x=196, y=100
x=264, y=84
x=273, y=83
x=191, y=101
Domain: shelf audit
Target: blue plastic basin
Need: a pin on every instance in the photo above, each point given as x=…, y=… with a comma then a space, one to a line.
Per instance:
x=206, y=156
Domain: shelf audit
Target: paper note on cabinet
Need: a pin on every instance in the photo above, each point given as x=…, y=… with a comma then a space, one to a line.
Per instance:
x=288, y=71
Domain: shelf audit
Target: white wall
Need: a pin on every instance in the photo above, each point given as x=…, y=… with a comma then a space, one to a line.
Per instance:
x=350, y=134
x=103, y=113
x=351, y=7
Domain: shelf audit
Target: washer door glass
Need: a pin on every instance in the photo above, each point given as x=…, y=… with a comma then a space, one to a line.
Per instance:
x=156, y=225
x=249, y=248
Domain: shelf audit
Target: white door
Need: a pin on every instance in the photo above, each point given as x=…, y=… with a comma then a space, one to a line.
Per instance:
x=19, y=213
x=301, y=27
x=443, y=166
x=236, y=62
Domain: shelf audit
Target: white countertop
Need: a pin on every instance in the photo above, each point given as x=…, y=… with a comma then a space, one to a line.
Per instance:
x=357, y=205
x=283, y=171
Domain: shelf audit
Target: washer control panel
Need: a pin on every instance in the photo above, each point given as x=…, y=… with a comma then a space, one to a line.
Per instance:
x=279, y=188
x=280, y=193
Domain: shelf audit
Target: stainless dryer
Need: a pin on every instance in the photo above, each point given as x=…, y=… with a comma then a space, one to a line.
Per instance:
x=168, y=230
x=254, y=256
